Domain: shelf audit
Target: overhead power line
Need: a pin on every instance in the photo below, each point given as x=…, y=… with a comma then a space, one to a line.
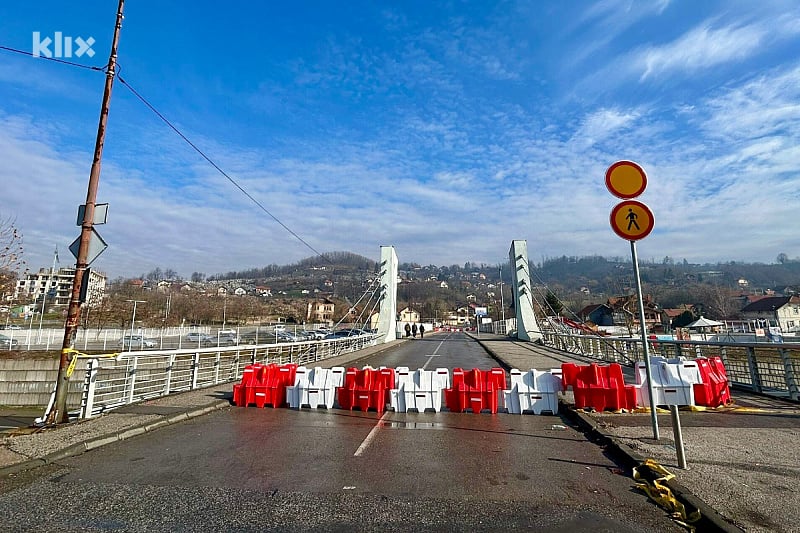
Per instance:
x=54, y=59
x=213, y=164
x=181, y=135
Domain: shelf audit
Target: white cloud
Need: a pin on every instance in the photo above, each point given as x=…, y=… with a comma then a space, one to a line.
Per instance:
x=767, y=104
x=601, y=124
x=700, y=48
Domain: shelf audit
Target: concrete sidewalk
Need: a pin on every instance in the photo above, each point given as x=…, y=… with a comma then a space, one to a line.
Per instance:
x=743, y=460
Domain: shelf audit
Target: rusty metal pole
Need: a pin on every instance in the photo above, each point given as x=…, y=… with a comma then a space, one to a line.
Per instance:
x=58, y=413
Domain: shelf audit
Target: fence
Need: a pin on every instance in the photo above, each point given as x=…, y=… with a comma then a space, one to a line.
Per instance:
x=772, y=369
x=130, y=377
x=32, y=338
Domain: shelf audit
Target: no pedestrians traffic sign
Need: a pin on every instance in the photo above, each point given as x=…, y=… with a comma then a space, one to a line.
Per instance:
x=632, y=220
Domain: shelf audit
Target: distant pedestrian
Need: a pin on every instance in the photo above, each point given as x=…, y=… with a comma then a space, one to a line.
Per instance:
x=408, y=330
x=421, y=331
x=414, y=331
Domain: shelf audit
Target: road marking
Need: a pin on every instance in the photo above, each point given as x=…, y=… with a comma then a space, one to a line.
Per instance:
x=434, y=354
x=371, y=436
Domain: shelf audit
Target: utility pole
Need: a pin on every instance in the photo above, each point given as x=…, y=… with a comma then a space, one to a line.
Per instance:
x=58, y=413
x=44, y=296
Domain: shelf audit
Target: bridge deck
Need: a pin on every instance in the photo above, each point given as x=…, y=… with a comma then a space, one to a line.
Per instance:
x=743, y=461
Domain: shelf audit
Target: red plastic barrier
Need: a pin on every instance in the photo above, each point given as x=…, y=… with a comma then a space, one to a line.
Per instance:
x=715, y=388
x=475, y=389
x=270, y=385
x=366, y=389
x=598, y=386
x=242, y=392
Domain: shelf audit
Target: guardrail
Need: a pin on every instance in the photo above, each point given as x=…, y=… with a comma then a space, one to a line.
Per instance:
x=119, y=379
x=766, y=368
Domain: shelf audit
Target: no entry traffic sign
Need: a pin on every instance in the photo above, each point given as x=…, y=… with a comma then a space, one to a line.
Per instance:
x=626, y=179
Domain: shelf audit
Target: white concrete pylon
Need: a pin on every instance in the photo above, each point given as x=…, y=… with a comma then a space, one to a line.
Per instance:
x=387, y=317
x=527, y=327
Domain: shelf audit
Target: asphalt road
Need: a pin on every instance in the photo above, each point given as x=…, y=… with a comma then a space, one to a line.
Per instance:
x=337, y=470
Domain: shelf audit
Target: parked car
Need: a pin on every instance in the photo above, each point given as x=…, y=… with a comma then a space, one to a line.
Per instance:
x=341, y=333
x=7, y=343
x=260, y=337
x=227, y=338
x=319, y=334
x=137, y=342
x=288, y=336
x=305, y=335
x=201, y=339
x=10, y=326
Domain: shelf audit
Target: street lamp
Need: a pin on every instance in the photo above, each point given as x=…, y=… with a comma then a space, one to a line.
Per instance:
x=502, y=306
x=133, y=321
x=224, y=308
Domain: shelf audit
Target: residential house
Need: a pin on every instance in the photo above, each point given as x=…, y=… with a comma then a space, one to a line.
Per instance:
x=622, y=313
x=780, y=311
x=597, y=314
x=261, y=290
x=321, y=311
x=408, y=315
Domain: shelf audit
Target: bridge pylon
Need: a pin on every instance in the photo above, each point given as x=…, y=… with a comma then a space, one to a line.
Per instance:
x=387, y=314
x=527, y=327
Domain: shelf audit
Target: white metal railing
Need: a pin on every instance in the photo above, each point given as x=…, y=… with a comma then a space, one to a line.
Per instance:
x=128, y=377
x=31, y=337
x=767, y=368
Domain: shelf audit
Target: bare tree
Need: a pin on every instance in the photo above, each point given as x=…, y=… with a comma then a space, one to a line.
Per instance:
x=719, y=301
x=11, y=262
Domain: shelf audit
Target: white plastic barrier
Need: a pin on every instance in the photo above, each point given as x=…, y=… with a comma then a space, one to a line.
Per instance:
x=533, y=390
x=420, y=390
x=673, y=381
x=314, y=387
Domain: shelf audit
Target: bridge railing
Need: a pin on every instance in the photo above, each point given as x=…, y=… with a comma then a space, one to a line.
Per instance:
x=767, y=368
x=120, y=379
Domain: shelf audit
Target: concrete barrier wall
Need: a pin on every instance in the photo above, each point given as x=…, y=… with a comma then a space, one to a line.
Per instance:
x=29, y=382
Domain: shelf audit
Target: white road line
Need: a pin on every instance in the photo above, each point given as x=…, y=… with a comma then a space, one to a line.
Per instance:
x=434, y=354
x=371, y=436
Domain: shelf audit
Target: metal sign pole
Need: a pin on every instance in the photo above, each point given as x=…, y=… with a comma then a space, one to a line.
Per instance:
x=678, y=435
x=645, y=351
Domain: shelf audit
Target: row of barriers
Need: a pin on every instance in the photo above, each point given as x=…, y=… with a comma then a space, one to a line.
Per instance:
x=400, y=389
x=762, y=367
x=701, y=382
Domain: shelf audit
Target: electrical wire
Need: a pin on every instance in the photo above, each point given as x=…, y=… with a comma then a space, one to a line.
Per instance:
x=202, y=154
x=180, y=134
x=54, y=59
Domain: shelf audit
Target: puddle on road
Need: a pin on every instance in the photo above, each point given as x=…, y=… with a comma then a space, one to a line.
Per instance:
x=413, y=425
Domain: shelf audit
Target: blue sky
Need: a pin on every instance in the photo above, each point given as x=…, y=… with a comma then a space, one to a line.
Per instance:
x=446, y=129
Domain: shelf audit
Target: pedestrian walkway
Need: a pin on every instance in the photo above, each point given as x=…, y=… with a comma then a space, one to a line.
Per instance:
x=743, y=460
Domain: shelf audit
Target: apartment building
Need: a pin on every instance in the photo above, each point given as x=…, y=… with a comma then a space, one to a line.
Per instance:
x=56, y=285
